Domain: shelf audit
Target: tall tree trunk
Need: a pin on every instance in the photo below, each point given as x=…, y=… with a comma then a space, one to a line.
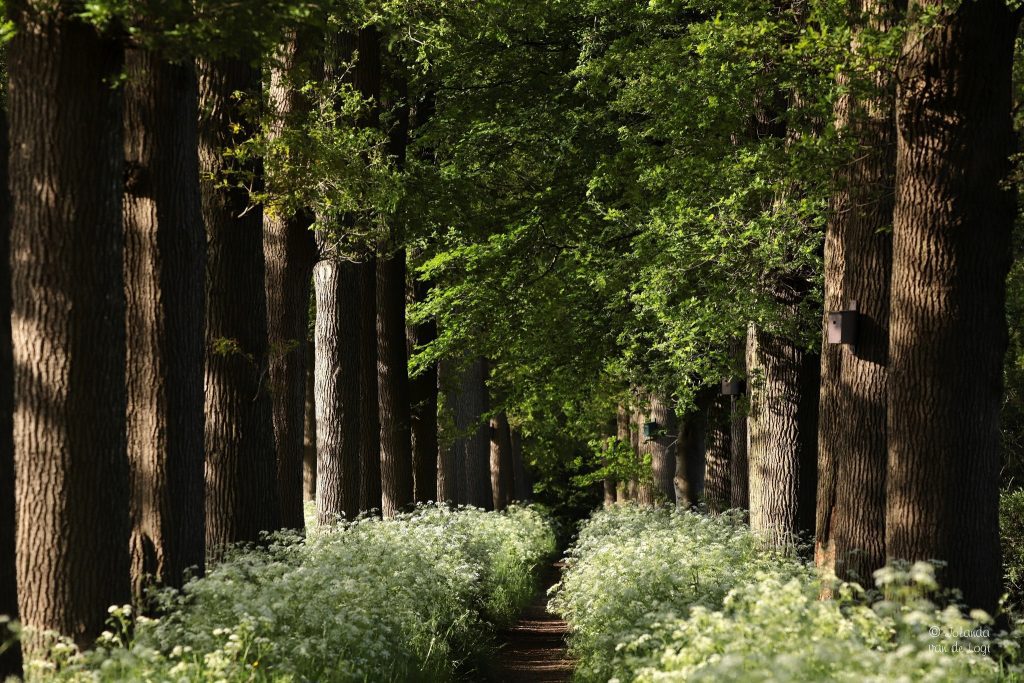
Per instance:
x=336, y=335
x=369, y=416
x=449, y=476
x=688, y=482
x=309, y=428
x=473, y=451
x=717, y=450
x=951, y=252
x=622, y=435
x=502, y=477
x=366, y=77
x=290, y=253
x=522, y=483
x=609, y=492
x=10, y=660
x=392, y=361
x=738, y=469
x=423, y=394
x=633, y=486
x=164, y=265
x=659, y=447
x=393, y=385
x=241, y=464
x=67, y=240
x=852, y=444
x=783, y=436
x=645, y=482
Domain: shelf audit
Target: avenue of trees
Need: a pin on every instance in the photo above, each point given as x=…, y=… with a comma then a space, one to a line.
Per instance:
x=743, y=254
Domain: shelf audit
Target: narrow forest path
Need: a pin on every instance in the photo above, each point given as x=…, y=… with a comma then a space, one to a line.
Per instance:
x=533, y=650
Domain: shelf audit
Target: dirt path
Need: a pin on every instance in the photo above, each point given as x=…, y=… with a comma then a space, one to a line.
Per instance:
x=533, y=650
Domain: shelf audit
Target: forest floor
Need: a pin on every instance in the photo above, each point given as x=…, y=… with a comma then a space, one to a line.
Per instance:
x=533, y=649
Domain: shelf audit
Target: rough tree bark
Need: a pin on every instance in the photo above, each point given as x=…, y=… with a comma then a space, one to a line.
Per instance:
x=10, y=661
x=738, y=471
x=369, y=416
x=164, y=265
x=717, y=451
x=953, y=219
x=336, y=339
x=393, y=384
x=423, y=396
x=783, y=435
x=852, y=444
x=241, y=464
x=502, y=477
x=68, y=320
x=660, y=448
x=290, y=252
x=392, y=361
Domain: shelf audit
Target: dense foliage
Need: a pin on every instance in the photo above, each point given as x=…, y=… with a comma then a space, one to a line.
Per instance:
x=1011, y=529
x=669, y=595
x=409, y=598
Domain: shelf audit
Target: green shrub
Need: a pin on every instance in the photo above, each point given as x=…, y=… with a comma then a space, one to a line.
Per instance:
x=666, y=595
x=395, y=600
x=1011, y=528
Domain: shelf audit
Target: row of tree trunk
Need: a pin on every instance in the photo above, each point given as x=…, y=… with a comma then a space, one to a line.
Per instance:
x=888, y=448
x=153, y=330
x=909, y=431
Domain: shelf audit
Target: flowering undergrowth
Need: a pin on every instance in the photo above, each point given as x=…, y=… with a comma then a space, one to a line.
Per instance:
x=406, y=599
x=668, y=595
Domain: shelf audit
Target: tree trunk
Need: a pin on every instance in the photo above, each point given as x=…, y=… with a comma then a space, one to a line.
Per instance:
x=738, y=405
x=622, y=435
x=688, y=482
x=10, y=660
x=953, y=220
x=472, y=446
x=449, y=476
x=644, y=494
x=717, y=450
x=393, y=385
x=67, y=240
x=241, y=464
x=522, y=483
x=290, y=253
x=852, y=444
x=336, y=336
x=502, y=477
x=369, y=417
x=783, y=435
x=423, y=392
x=164, y=265
x=660, y=448
x=309, y=429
